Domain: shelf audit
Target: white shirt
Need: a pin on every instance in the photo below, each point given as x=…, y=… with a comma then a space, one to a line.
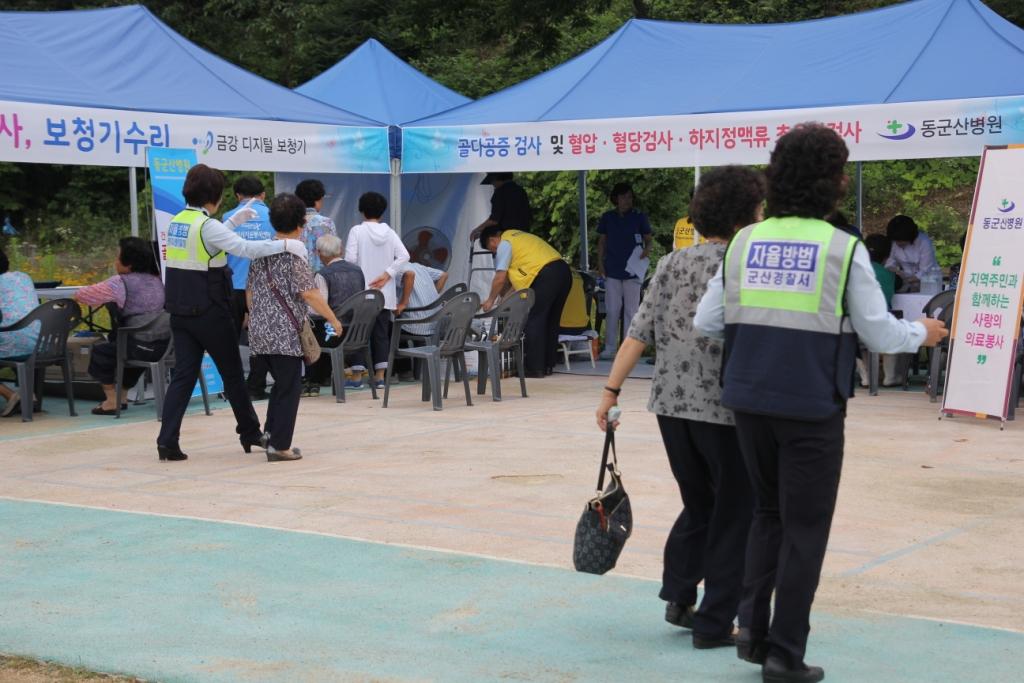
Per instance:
x=377, y=249
x=914, y=259
x=870, y=317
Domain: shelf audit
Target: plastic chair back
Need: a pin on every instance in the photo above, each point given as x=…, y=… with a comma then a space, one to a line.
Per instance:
x=453, y=323
x=509, y=319
x=57, y=318
x=364, y=307
x=941, y=306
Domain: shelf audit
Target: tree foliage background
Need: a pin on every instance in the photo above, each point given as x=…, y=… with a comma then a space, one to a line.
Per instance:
x=475, y=47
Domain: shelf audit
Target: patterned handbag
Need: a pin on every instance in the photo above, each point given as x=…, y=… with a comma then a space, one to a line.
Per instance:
x=607, y=520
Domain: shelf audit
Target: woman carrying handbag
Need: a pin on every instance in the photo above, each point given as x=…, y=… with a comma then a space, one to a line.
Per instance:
x=279, y=289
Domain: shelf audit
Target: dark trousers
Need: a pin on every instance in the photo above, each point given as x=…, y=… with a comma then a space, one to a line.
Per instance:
x=380, y=339
x=709, y=538
x=257, y=381
x=103, y=360
x=550, y=289
x=212, y=332
x=794, y=467
x=283, y=406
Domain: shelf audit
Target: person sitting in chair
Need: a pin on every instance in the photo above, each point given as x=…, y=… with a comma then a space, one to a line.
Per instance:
x=137, y=294
x=17, y=299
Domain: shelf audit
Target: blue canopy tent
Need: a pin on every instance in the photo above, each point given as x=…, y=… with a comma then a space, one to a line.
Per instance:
x=929, y=78
x=98, y=87
x=377, y=84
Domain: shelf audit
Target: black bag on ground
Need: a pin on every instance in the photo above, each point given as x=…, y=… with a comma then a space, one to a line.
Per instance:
x=607, y=520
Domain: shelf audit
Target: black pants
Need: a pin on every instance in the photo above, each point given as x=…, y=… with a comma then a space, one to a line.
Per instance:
x=213, y=332
x=380, y=339
x=709, y=538
x=794, y=467
x=550, y=289
x=103, y=360
x=257, y=381
x=283, y=406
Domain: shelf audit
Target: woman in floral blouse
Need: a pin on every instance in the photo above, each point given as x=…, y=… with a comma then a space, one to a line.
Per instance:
x=708, y=539
x=276, y=282
x=17, y=299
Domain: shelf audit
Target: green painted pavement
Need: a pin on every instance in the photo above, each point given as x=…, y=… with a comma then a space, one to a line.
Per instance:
x=174, y=599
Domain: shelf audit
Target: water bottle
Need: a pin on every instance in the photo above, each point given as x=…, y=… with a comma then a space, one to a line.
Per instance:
x=328, y=331
x=931, y=281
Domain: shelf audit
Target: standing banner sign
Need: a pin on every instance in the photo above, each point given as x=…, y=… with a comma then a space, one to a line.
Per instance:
x=986, y=321
x=167, y=171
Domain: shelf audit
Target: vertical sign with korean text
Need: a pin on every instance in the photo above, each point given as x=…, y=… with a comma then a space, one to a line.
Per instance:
x=986, y=322
x=167, y=171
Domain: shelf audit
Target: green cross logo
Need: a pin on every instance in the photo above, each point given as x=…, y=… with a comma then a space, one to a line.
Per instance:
x=894, y=126
x=1005, y=203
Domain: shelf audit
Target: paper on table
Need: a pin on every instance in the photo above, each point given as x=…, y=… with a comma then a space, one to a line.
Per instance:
x=637, y=265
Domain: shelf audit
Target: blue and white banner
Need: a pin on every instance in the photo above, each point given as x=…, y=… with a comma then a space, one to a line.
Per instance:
x=55, y=134
x=167, y=171
x=911, y=130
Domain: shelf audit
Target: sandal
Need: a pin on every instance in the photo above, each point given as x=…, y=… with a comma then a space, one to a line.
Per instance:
x=100, y=410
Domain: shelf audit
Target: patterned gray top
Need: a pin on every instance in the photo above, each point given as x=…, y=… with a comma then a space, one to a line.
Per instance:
x=687, y=365
x=271, y=330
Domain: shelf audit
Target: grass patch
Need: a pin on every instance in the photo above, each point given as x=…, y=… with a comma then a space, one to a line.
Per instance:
x=25, y=670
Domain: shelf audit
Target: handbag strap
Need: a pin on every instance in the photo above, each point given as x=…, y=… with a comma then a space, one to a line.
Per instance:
x=280, y=299
x=609, y=446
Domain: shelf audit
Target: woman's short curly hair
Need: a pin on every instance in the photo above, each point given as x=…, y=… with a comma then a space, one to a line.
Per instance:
x=805, y=175
x=726, y=198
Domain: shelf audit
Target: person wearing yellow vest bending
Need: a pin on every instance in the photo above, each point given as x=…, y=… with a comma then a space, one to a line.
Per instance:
x=198, y=295
x=791, y=299
x=523, y=260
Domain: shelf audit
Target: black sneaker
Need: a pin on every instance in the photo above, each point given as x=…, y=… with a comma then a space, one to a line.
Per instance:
x=679, y=615
x=775, y=670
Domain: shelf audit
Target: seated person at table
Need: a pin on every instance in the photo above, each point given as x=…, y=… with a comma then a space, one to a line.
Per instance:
x=879, y=248
x=17, y=299
x=913, y=253
x=337, y=281
x=138, y=296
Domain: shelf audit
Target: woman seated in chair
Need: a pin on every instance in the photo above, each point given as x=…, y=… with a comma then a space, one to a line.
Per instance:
x=137, y=294
x=17, y=299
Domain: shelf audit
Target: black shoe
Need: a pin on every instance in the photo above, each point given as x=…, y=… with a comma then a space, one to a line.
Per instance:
x=775, y=670
x=167, y=453
x=679, y=615
x=750, y=648
x=710, y=642
x=248, y=443
x=550, y=370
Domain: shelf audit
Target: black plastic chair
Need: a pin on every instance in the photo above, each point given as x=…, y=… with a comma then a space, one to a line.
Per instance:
x=508, y=323
x=411, y=339
x=56, y=318
x=158, y=370
x=939, y=306
x=362, y=308
x=451, y=328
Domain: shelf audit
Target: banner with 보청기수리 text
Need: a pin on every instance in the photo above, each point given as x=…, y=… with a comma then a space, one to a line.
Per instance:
x=908, y=130
x=56, y=134
x=986, y=321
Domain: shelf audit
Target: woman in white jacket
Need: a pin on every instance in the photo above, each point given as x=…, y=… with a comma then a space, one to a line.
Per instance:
x=378, y=251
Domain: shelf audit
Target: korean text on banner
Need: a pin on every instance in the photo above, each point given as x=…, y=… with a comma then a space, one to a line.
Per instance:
x=167, y=171
x=214, y=382
x=986, y=322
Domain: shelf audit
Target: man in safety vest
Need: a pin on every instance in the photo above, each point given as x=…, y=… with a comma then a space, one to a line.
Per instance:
x=791, y=299
x=198, y=295
x=522, y=261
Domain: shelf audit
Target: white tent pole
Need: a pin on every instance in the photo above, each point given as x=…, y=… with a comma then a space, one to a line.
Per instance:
x=396, y=195
x=581, y=183
x=860, y=196
x=133, y=200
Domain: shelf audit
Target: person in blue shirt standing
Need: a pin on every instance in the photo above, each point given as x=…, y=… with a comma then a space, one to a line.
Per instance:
x=622, y=230
x=255, y=229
